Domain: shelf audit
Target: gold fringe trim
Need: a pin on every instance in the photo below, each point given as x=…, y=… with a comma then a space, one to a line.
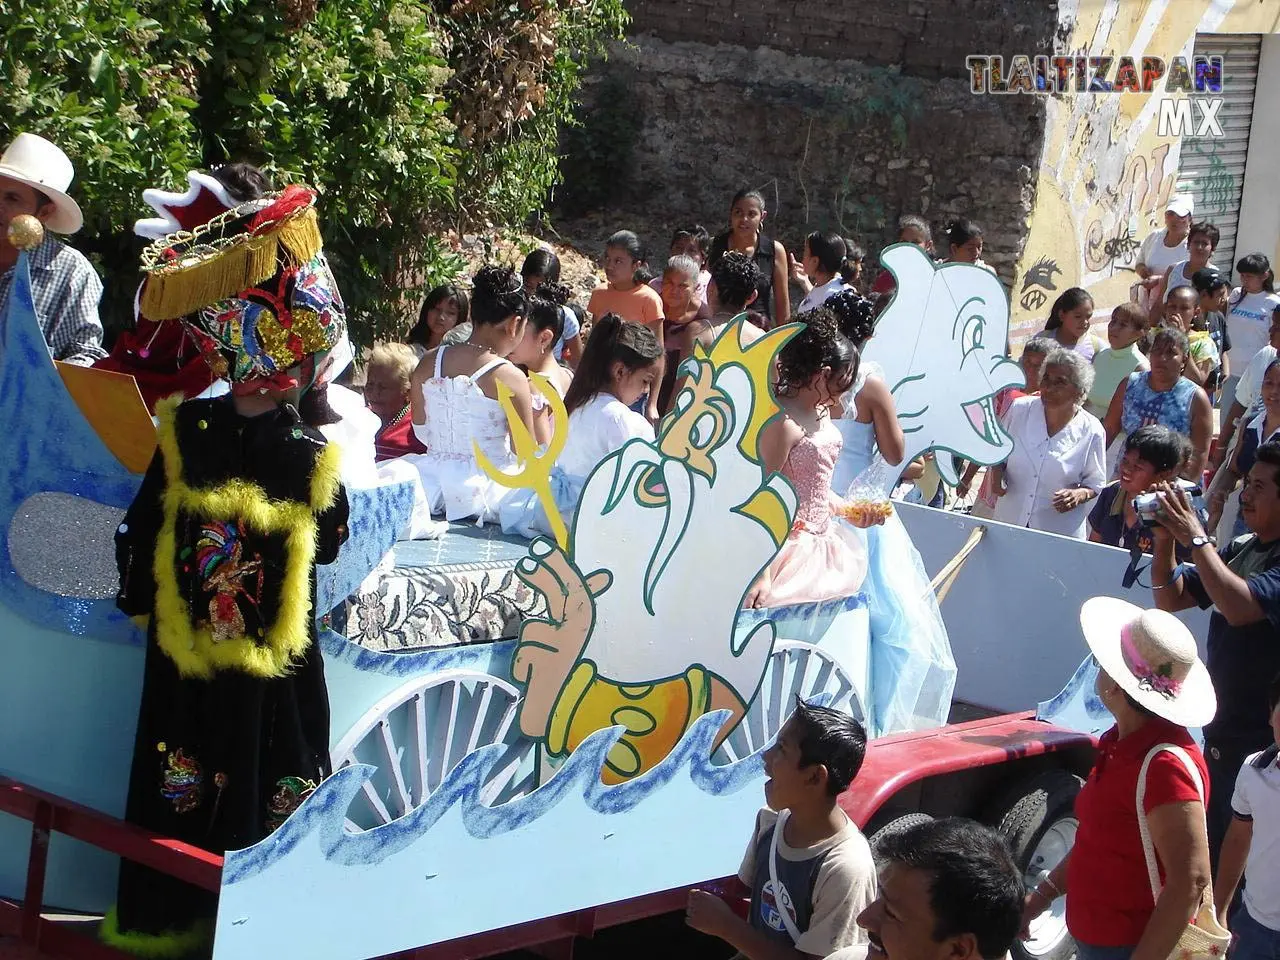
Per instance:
x=208, y=275
x=155, y=946
x=193, y=649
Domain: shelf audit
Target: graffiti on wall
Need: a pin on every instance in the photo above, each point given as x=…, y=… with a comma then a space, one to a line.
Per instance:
x=1127, y=210
x=1106, y=173
x=1218, y=191
x=1038, y=283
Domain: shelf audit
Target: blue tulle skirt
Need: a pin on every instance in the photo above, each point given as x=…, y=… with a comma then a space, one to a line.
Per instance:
x=522, y=513
x=913, y=672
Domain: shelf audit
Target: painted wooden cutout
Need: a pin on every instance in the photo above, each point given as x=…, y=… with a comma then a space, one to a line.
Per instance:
x=667, y=539
x=941, y=343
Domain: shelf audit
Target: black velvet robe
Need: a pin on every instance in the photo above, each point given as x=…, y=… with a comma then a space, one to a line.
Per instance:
x=233, y=728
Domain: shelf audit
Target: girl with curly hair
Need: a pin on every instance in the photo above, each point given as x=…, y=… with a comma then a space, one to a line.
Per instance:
x=823, y=557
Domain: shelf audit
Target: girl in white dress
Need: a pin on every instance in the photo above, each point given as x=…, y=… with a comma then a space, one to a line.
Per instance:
x=454, y=397
x=617, y=368
x=913, y=671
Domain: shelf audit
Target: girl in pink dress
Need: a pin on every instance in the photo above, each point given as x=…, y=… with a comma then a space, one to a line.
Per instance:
x=823, y=558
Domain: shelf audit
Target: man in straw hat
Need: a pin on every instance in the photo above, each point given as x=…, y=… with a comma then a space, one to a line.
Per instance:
x=1241, y=582
x=34, y=177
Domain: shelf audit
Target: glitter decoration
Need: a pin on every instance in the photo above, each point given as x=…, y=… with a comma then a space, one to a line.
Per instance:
x=274, y=338
x=181, y=782
x=123, y=528
x=310, y=330
x=202, y=424
x=296, y=433
x=289, y=795
x=63, y=544
x=26, y=232
x=162, y=746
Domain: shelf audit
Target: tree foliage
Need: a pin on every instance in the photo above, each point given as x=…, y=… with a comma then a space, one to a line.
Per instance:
x=407, y=116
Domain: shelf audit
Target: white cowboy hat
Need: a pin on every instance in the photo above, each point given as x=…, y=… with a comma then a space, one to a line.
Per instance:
x=42, y=166
x=1152, y=656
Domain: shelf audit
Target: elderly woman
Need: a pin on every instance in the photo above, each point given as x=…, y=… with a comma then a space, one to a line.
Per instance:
x=1032, y=361
x=1162, y=395
x=1139, y=869
x=1056, y=466
x=386, y=393
x=684, y=319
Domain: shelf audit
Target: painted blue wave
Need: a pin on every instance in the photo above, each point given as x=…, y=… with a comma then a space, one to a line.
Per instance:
x=323, y=814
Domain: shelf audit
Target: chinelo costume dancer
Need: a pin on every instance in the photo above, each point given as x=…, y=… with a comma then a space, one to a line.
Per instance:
x=912, y=669
x=219, y=550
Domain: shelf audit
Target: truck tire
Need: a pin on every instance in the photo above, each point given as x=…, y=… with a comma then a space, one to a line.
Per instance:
x=904, y=822
x=1037, y=818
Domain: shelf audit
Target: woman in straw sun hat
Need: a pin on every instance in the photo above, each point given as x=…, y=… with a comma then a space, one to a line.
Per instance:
x=1140, y=865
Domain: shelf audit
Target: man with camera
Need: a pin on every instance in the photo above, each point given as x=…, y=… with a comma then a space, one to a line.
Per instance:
x=1241, y=582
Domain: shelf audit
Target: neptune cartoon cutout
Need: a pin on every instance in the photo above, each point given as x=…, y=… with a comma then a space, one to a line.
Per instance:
x=668, y=537
x=945, y=358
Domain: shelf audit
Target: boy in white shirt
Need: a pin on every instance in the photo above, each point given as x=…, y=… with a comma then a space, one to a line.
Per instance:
x=1252, y=848
x=809, y=883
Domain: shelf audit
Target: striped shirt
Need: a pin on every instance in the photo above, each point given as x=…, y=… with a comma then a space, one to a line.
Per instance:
x=66, y=291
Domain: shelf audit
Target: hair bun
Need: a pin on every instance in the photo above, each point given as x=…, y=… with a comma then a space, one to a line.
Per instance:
x=557, y=293
x=493, y=281
x=854, y=313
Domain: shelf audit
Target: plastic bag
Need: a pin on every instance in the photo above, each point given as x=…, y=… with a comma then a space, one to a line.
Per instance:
x=868, y=495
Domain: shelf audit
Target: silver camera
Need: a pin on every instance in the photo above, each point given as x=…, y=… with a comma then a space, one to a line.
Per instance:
x=1147, y=505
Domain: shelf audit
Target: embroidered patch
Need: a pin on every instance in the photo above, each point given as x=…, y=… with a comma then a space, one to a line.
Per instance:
x=290, y=792
x=182, y=781
x=230, y=582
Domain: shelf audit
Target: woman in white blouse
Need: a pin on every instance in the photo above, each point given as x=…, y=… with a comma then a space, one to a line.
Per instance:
x=1059, y=451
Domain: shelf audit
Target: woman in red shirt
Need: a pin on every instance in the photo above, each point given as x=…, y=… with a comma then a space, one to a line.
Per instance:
x=1154, y=684
x=386, y=393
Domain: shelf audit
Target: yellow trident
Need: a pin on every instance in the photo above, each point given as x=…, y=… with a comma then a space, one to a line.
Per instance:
x=535, y=468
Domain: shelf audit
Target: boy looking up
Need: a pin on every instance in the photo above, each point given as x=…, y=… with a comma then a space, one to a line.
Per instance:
x=809, y=883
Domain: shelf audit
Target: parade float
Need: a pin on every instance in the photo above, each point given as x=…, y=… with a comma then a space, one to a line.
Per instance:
x=582, y=716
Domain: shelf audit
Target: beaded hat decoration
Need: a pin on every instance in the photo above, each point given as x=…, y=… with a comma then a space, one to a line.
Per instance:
x=252, y=286
x=234, y=251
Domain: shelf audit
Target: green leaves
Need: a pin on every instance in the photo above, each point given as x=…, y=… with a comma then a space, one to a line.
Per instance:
x=96, y=65
x=361, y=98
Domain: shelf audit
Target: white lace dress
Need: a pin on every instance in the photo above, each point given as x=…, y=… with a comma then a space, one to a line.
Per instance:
x=459, y=417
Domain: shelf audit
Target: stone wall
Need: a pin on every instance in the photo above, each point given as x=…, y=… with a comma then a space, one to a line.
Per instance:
x=845, y=144
x=926, y=38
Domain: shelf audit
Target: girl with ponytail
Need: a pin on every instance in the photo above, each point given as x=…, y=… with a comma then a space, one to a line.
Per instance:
x=820, y=273
x=618, y=367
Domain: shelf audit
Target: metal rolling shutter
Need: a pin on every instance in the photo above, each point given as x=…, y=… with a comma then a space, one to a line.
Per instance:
x=1212, y=169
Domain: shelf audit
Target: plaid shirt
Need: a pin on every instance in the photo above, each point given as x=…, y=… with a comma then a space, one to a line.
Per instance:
x=66, y=290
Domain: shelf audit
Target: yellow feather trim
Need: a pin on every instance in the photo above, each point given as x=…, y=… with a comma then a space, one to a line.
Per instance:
x=196, y=280
x=155, y=946
x=193, y=649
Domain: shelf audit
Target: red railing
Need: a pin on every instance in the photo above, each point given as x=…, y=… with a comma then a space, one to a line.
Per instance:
x=51, y=814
